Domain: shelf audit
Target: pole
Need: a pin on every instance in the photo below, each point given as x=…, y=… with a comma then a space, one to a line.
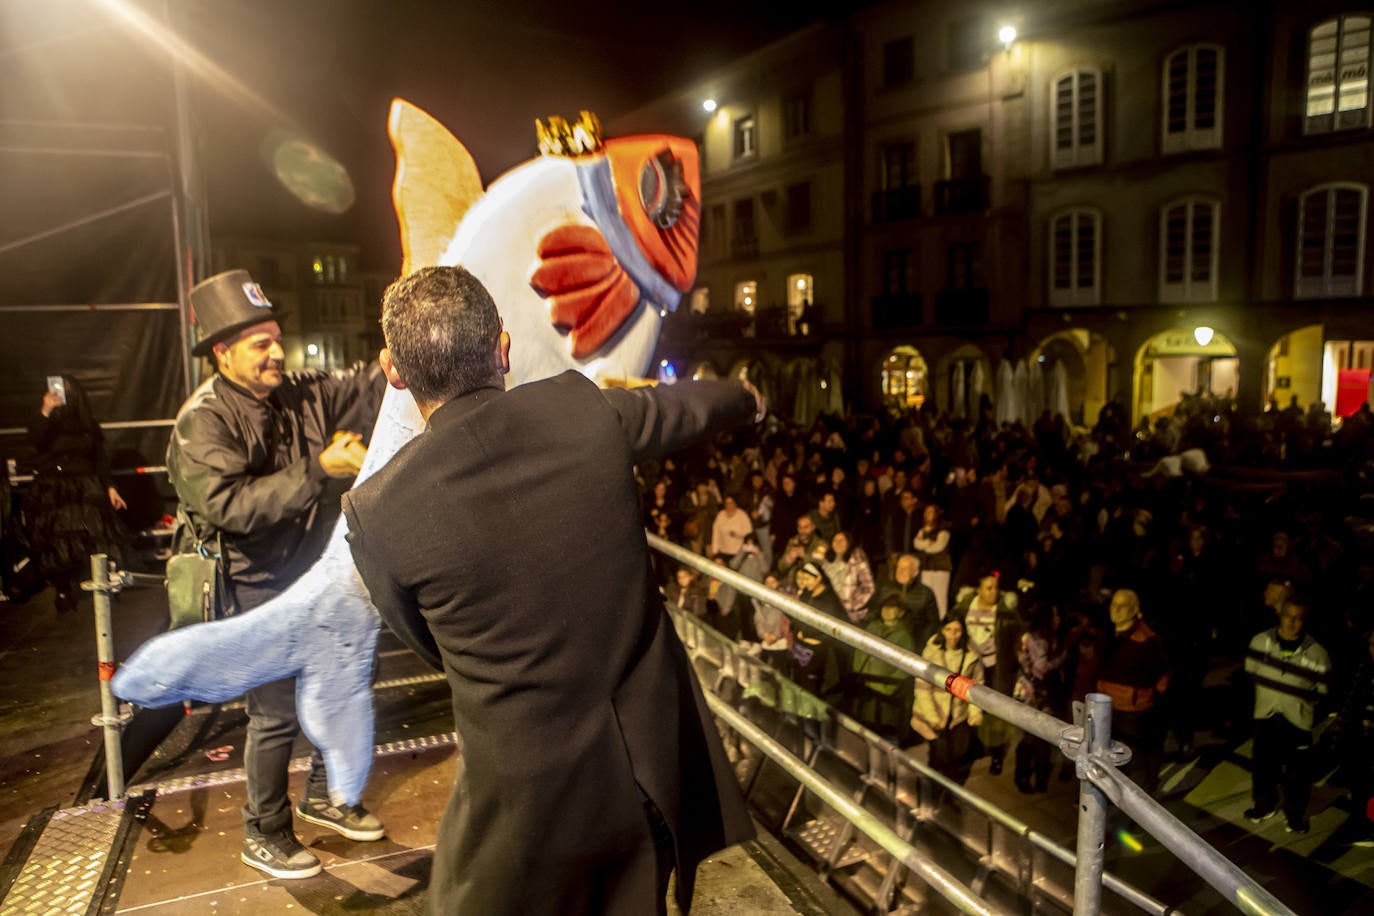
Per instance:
x=1092, y=806
x=109, y=718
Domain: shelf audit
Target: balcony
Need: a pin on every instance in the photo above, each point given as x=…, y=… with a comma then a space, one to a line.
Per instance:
x=962, y=195
x=896, y=204
x=962, y=307
x=743, y=249
x=896, y=310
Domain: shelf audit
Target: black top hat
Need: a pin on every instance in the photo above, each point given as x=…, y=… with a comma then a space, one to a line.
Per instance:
x=225, y=304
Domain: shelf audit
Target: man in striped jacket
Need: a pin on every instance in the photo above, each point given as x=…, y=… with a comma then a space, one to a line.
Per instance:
x=1290, y=670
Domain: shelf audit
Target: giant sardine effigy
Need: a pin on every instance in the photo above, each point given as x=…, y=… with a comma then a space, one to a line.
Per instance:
x=584, y=249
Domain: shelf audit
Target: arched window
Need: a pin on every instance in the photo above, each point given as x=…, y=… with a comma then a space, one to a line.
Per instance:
x=1076, y=119
x=1338, y=74
x=1193, y=95
x=1189, y=231
x=1330, y=260
x=1075, y=254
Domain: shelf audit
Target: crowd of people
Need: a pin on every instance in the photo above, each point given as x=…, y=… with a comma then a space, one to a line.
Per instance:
x=1130, y=560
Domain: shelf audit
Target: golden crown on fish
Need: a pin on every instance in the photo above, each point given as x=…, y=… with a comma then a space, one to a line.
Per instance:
x=561, y=138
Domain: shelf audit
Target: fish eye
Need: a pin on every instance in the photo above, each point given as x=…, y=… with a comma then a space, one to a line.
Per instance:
x=661, y=189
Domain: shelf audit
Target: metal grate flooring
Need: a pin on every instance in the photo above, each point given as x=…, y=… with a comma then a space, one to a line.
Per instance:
x=63, y=872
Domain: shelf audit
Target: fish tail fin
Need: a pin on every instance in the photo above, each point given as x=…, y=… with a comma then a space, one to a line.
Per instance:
x=436, y=182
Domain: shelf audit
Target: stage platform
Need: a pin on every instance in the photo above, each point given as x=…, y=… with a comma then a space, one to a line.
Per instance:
x=171, y=846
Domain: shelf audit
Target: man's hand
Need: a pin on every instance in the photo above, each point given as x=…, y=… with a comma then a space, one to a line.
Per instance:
x=50, y=403
x=344, y=456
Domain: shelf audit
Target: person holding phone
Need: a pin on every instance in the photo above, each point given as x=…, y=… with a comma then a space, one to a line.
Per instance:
x=72, y=504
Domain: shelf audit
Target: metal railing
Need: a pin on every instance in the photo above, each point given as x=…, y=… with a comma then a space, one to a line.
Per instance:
x=1096, y=757
x=760, y=682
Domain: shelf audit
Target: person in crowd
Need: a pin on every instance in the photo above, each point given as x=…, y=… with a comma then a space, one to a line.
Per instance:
x=789, y=505
x=729, y=529
x=757, y=500
x=730, y=603
x=258, y=458
x=994, y=627
x=815, y=588
x=72, y=504
x=922, y=611
x=868, y=520
x=1084, y=643
x=825, y=516
x=698, y=508
x=773, y=627
x=883, y=692
x=932, y=546
x=1291, y=672
x=900, y=526
x=1135, y=673
x=1280, y=561
x=803, y=547
x=687, y=592
x=950, y=724
x=1189, y=623
x=599, y=819
x=1039, y=659
x=658, y=503
x=849, y=570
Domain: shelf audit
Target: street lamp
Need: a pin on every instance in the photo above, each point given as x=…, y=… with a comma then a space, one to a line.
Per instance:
x=709, y=105
x=1006, y=35
x=1203, y=335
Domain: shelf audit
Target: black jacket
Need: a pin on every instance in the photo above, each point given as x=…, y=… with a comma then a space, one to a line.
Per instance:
x=572, y=694
x=246, y=468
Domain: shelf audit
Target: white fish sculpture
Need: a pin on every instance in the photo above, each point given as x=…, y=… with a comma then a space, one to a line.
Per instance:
x=583, y=249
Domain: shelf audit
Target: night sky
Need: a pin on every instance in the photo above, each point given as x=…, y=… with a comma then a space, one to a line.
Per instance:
x=484, y=68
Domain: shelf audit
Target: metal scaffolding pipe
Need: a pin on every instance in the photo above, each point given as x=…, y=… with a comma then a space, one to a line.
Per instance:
x=85, y=220
x=1220, y=872
x=935, y=877
x=1092, y=807
x=109, y=719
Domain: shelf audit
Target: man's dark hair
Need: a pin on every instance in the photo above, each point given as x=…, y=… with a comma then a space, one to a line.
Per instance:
x=441, y=327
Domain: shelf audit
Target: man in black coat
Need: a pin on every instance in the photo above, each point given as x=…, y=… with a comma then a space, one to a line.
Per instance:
x=591, y=765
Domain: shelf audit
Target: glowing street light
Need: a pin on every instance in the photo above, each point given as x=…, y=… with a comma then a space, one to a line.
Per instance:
x=1006, y=35
x=1203, y=335
x=709, y=105
x=312, y=349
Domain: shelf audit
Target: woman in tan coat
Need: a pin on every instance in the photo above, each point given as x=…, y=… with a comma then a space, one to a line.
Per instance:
x=948, y=723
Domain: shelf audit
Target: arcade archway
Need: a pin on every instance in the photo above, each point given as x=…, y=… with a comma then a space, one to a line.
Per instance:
x=967, y=376
x=905, y=378
x=1085, y=359
x=1183, y=361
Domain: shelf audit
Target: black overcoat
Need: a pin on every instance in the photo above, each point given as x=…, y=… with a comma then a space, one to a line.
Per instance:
x=504, y=544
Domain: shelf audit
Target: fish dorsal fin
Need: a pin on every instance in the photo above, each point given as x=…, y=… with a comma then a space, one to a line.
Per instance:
x=436, y=182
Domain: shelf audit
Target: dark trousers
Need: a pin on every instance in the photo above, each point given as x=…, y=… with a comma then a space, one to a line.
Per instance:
x=950, y=752
x=1282, y=759
x=272, y=729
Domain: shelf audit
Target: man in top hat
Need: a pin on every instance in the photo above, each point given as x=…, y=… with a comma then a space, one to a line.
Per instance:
x=259, y=458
